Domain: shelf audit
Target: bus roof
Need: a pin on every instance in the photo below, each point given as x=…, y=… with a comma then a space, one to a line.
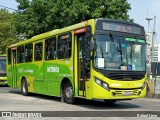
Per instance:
x=66, y=29
x=53, y=32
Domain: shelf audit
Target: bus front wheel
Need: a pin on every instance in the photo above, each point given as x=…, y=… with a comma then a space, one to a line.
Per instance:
x=24, y=87
x=68, y=94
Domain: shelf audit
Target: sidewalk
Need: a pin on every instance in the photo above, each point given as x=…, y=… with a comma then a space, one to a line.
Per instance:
x=153, y=90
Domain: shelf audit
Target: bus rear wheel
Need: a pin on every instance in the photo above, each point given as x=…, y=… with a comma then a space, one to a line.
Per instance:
x=24, y=87
x=68, y=94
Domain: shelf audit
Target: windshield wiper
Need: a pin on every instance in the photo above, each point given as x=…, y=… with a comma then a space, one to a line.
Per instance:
x=119, y=48
x=101, y=51
x=111, y=37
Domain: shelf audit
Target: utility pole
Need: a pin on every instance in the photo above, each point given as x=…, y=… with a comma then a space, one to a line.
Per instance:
x=148, y=44
x=148, y=19
x=153, y=41
x=153, y=38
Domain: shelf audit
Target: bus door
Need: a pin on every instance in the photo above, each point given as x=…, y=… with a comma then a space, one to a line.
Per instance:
x=13, y=68
x=83, y=60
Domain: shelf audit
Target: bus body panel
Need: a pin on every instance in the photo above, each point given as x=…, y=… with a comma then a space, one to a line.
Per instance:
x=46, y=77
x=9, y=75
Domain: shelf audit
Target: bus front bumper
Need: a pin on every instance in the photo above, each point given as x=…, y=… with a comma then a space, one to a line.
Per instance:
x=117, y=94
x=3, y=80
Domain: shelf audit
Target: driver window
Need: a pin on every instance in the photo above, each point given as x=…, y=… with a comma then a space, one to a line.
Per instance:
x=114, y=54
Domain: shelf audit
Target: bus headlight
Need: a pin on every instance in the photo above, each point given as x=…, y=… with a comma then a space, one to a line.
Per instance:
x=102, y=84
x=144, y=84
x=105, y=85
x=97, y=81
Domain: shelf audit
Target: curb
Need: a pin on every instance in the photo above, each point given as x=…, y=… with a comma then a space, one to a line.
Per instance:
x=151, y=95
x=150, y=90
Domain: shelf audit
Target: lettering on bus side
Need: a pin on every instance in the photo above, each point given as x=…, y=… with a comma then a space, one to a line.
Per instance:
x=29, y=71
x=52, y=69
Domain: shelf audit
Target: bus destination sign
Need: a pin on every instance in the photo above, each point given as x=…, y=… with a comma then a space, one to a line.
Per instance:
x=119, y=27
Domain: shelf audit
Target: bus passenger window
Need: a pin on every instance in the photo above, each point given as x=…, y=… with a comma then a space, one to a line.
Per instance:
x=20, y=54
x=64, y=46
x=9, y=56
x=38, y=51
x=28, y=52
x=50, y=49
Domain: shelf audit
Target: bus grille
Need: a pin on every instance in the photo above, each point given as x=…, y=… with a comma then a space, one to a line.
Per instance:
x=121, y=93
x=122, y=75
x=125, y=76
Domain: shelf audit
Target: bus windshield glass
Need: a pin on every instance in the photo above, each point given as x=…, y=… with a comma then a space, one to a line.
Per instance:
x=119, y=53
x=2, y=65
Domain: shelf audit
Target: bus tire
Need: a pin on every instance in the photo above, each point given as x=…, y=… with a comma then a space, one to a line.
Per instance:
x=24, y=87
x=109, y=102
x=68, y=94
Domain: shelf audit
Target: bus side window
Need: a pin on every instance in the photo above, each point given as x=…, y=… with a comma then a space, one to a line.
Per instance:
x=64, y=46
x=20, y=54
x=38, y=51
x=50, y=49
x=28, y=52
x=9, y=56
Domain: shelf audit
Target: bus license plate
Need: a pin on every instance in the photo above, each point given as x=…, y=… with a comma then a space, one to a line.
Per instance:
x=127, y=93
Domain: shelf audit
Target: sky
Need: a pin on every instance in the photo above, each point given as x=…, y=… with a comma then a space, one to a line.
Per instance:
x=140, y=10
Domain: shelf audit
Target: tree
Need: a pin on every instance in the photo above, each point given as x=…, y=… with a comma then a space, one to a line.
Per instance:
x=38, y=16
x=7, y=35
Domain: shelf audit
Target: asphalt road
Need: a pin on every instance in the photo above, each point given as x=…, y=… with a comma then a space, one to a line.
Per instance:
x=12, y=100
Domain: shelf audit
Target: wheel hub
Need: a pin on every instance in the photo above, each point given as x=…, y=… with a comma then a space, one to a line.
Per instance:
x=69, y=92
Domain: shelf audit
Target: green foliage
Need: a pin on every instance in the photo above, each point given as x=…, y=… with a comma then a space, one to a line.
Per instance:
x=38, y=16
x=23, y=4
x=7, y=35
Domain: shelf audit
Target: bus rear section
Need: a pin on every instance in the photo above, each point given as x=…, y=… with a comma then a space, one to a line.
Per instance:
x=3, y=76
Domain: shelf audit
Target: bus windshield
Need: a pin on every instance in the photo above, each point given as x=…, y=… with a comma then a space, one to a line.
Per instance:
x=119, y=53
x=2, y=66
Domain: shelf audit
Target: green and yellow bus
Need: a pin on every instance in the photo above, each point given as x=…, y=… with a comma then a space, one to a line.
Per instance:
x=95, y=59
x=3, y=76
